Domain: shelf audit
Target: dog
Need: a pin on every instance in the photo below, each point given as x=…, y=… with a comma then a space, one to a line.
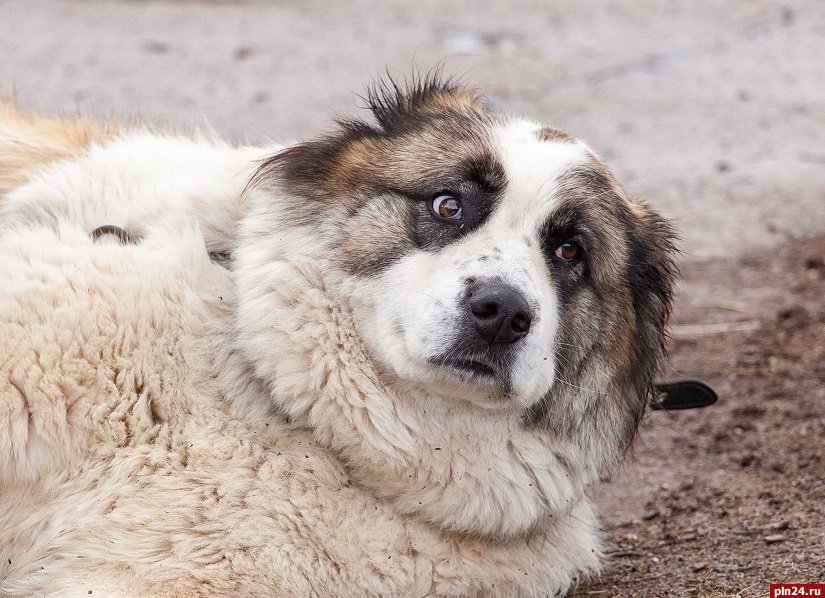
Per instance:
x=388, y=361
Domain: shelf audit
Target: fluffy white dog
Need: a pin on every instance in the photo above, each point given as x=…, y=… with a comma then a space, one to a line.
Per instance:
x=387, y=362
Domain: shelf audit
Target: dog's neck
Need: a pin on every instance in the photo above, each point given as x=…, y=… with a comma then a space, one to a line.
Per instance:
x=455, y=465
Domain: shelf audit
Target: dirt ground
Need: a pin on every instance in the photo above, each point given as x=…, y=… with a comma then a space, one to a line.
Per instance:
x=725, y=500
x=713, y=111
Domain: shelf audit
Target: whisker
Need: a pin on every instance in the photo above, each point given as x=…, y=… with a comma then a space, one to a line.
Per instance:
x=562, y=344
x=562, y=358
x=428, y=295
x=600, y=392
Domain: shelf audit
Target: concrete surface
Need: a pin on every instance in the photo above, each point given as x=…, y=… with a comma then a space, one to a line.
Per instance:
x=714, y=111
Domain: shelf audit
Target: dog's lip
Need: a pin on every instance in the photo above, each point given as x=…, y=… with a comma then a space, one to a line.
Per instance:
x=475, y=366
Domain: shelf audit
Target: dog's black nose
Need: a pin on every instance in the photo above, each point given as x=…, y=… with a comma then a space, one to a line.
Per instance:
x=500, y=313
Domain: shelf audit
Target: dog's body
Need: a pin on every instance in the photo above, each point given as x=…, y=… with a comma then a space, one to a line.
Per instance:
x=433, y=335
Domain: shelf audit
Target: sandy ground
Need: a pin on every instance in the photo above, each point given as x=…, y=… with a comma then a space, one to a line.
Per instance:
x=713, y=111
x=726, y=500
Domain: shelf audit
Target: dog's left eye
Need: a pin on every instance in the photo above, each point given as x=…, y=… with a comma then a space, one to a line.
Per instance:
x=446, y=207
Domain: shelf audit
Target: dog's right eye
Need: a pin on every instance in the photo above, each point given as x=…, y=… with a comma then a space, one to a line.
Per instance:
x=445, y=206
x=568, y=252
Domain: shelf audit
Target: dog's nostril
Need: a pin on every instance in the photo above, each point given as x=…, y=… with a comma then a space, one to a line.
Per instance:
x=484, y=309
x=521, y=323
x=499, y=313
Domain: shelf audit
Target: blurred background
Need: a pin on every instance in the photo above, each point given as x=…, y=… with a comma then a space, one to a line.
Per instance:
x=713, y=111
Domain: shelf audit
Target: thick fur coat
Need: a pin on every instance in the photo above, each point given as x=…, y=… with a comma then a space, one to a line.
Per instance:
x=247, y=391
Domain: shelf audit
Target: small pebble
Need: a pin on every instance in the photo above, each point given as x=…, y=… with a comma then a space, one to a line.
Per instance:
x=774, y=538
x=651, y=515
x=700, y=566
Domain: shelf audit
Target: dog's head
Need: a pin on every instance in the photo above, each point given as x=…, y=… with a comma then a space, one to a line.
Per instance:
x=486, y=262
x=491, y=257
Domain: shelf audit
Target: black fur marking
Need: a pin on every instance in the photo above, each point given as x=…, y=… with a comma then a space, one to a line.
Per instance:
x=486, y=172
x=650, y=273
x=478, y=203
x=117, y=232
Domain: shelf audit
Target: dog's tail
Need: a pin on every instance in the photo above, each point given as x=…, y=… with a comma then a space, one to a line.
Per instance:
x=29, y=143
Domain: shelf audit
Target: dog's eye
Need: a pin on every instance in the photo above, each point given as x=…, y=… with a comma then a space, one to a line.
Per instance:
x=446, y=207
x=568, y=252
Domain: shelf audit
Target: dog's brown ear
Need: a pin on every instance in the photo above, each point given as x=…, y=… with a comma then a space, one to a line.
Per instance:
x=308, y=166
x=652, y=275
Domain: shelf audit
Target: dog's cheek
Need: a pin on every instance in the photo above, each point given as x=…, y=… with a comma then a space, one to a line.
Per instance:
x=405, y=312
x=581, y=333
x=425, y=290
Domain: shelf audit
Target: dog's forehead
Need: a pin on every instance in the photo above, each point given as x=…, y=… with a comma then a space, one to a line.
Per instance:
x=534, y=160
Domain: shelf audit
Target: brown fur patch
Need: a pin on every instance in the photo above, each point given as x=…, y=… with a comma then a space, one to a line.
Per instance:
x=422, y=131
x=386, y=220
x=29, y=143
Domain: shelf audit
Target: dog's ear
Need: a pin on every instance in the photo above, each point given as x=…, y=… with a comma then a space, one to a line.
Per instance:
x=306, y=165
x=323, y=168
x=652, y=275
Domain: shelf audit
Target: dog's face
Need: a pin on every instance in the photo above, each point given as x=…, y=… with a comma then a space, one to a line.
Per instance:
x=490, y=259
x=473, y=304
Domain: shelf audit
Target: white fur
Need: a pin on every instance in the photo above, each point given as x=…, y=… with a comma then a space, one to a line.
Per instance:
x=143, y=444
